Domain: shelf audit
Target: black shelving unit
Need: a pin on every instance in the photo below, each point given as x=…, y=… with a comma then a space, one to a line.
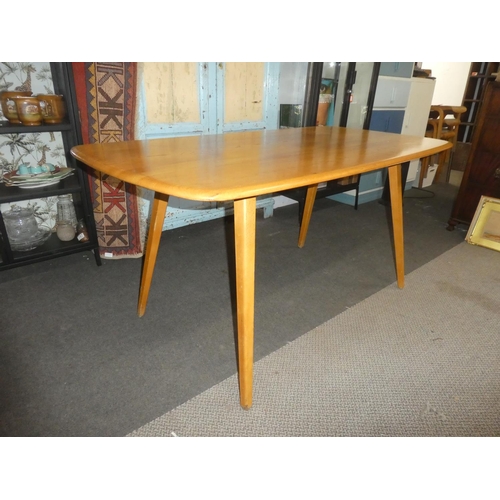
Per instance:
x=479, y=75
x=77, y=184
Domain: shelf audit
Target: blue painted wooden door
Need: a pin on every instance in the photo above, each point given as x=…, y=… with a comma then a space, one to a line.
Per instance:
x=206, y=98
x=199, y=98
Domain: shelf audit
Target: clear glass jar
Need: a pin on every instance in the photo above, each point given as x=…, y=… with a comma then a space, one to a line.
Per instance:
x=20, y=224
x=66, y=210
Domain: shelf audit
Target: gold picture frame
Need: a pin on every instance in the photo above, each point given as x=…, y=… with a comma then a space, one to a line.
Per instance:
x=484, y=229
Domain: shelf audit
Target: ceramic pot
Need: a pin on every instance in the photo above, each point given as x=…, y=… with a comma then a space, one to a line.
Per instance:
x=24, y=169
x=323, y=108
x=28, y=110
x=9, y=108
x=322, y=115
x=52, y=107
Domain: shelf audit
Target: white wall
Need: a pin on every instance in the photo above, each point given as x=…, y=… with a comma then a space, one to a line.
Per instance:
x=451, y=78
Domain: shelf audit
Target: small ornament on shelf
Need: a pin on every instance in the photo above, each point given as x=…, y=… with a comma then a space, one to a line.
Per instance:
x=66, y=210
x=65, y=230
x=82, y=234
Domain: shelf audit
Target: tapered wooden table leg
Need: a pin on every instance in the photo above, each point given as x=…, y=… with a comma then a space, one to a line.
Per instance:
x=244, y=236
x=155, y=229
x=306, y=216
x=397, y=221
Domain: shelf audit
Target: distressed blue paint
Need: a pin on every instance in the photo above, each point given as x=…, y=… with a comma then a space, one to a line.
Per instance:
x=271, y=95
x=245, y=125
x=211, y=102
x=162, y=132
x=147, y=130
x=211, y=97
x=140, y=121
x=270, y=104
x=177, y=217
x=205, y=91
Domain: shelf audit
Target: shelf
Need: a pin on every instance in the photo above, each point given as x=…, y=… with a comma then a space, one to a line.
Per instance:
x=9, y=128
x=479, y=74
x=76, y=184
x=9, y=194
x=52, y=248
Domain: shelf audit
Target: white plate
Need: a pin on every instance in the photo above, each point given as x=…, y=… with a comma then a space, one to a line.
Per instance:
x=28, y=184
x=38, y=180
x=43, y=175
x=32, y=185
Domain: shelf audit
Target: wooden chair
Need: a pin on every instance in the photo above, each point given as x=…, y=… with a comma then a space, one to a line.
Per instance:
x=443, y=124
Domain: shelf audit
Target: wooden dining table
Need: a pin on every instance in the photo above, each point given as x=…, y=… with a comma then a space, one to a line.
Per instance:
x=241, y=166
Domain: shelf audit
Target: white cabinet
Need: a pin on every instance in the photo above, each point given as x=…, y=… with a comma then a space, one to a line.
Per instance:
x=419, y=105
x=392, y=92
x=417, y=115
x=392, y=96
x=389, y=106
x=401, y=69
x=401, y=106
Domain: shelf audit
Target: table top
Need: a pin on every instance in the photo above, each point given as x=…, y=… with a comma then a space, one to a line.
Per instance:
x=246, y=164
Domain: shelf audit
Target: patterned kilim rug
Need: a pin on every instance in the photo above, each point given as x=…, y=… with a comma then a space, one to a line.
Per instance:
x=106, y=95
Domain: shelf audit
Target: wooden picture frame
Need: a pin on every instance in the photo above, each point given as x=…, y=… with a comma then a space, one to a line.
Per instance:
x=484, y=229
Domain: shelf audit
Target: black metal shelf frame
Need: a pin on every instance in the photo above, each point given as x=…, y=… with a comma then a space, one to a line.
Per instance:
x=76, y=184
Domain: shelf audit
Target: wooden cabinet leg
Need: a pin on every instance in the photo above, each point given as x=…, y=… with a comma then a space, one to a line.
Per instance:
x=306, y=216
x=154, y=235
x=397, y=221
x=244, y=236
x=451, y=225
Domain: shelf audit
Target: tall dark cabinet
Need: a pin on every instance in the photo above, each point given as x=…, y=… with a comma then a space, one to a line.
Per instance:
x=482, y=172
x=77, y=184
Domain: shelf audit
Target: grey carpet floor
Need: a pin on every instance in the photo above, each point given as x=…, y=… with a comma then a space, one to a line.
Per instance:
x=422, y=361
x=75, y=360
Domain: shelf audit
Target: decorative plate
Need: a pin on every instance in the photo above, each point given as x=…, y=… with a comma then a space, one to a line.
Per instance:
x=37, y=180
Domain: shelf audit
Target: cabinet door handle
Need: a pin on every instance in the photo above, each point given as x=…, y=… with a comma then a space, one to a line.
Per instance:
x=496, y=174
